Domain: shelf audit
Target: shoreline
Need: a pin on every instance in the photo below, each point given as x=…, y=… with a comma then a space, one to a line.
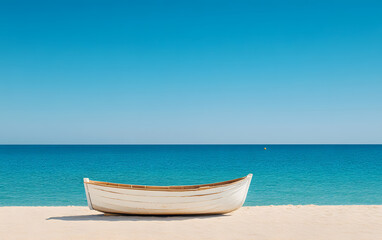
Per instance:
x=249, y=222
x=281, y=205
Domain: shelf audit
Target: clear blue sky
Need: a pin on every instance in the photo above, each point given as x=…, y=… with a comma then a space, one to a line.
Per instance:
x=190, y=72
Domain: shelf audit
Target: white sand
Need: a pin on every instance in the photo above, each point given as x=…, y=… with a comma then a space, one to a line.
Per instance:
x=270, y=222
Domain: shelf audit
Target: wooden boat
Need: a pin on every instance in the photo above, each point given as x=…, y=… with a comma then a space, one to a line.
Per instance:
x=214, y=198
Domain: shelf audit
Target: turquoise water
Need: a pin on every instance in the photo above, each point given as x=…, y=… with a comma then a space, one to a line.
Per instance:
x=283, y=174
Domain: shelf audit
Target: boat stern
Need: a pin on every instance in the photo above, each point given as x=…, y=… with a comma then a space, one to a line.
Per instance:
x=86, y=181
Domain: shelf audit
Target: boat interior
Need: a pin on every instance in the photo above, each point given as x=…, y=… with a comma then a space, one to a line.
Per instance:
x=165, y=188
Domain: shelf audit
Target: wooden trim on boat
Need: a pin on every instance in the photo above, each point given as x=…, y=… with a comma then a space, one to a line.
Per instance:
x=167, y=188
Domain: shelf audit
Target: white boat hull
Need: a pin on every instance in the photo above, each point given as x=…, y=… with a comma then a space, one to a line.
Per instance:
x=146, y=200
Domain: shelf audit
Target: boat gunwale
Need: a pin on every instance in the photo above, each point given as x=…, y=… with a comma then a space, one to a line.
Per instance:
x=168, y=188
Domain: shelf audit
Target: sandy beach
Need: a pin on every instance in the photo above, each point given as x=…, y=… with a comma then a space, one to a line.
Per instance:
x=264, y=222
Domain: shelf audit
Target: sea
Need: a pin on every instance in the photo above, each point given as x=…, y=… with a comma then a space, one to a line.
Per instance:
x=52, y=175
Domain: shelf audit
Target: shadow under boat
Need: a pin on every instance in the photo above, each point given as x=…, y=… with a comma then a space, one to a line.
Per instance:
x=116, y=217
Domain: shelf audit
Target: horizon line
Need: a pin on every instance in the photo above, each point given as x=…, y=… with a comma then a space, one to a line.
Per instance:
x=153, y=144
